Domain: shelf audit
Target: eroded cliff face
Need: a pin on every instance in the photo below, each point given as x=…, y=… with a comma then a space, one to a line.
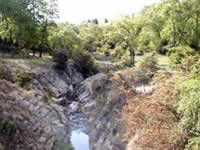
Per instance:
x=56, y=83
x=101, y=100
x=116, y=116
x=124, y=115
x=29, y=123
x=33, y=118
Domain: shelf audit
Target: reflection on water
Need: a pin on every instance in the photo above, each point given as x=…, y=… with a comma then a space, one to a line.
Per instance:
x=80, y=140
x=144, y=89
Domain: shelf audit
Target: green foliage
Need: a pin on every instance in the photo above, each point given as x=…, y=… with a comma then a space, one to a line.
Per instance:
x=25, y=22
x=91, y=36
x=7, y=128
x=64, y=36
x=23, y=79
x=127, y=60
x=196, y=69
x=193, y=144
x=149, y=63
x=188, y=108
x=67, y=147
x=189, y=103
x=190, y=64
x=60, y=57
x=84, y=63
x=177, y=54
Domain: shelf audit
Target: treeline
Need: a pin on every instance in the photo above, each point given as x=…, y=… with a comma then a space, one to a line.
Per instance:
x=170, y=27
x=167, y=25
x=24, y=23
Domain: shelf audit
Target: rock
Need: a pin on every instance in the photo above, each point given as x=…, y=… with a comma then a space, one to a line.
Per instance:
x=35, y=125
x=56, y=83
x=101, y=101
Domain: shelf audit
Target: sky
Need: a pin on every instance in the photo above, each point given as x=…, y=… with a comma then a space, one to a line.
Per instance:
x=77, y=11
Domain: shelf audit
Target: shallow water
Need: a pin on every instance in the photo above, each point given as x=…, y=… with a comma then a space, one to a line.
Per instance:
x=80, y=140
x=144, y=89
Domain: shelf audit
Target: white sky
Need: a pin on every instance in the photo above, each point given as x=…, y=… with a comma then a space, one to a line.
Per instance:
x=76, y=11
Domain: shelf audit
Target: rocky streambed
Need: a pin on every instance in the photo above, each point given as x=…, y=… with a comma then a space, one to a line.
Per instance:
x=61, y=109
x=67, y=109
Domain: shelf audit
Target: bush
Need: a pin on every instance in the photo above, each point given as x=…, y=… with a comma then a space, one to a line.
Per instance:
x=7, y=128
x=188, y=107
x=85, y=64
x=196, y=69
x=188, y=64
x=191, y=65
x=118, y=52
x=189, y=104
x=149, y=63
x=126, y=60
x=142, y=77
x=193, y=144
x=23, y=79
x=177, y=54
x=60, y=57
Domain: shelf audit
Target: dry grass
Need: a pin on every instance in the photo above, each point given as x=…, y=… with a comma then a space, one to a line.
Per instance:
x=150, y=120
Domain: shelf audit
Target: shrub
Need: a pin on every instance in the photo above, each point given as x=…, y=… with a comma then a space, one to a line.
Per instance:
x=188, y=107
x=107, y=53
x=85, y=64
x=193, y=144
x=60, y=57
x=142, y=77
x=23, y=79
x=177, y=54
x=149, y=63
x=118, y=52
x=189, y=104
x=189, y=63
x=196, y=70
x=126, y=60
x=7, y=128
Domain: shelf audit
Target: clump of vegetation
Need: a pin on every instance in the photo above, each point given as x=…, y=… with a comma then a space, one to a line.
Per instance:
x=7, y=128
x=178, y=54
x=126, y=60
x=67, y=147
x=146, y=69
x=149, y=63
x=189, y=103
x=196, y=70
x=142, y=77
x=188, y=108
x=189, y=64
x=6, y=73
x=23, y=79
x=60, y=57
x=84, y=63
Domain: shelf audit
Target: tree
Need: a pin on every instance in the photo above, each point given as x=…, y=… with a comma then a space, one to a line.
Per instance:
x=30, y=19
x=106, y=20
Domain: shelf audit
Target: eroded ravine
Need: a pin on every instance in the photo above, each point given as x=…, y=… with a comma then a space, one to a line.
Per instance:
x=89, y=113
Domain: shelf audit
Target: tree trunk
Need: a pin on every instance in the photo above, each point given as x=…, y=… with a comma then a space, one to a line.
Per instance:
x=40, y=53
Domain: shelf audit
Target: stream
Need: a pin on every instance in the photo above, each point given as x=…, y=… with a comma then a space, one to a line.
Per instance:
x=79, y=138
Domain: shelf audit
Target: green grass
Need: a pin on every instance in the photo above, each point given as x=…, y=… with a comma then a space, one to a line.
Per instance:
x=163, y=61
